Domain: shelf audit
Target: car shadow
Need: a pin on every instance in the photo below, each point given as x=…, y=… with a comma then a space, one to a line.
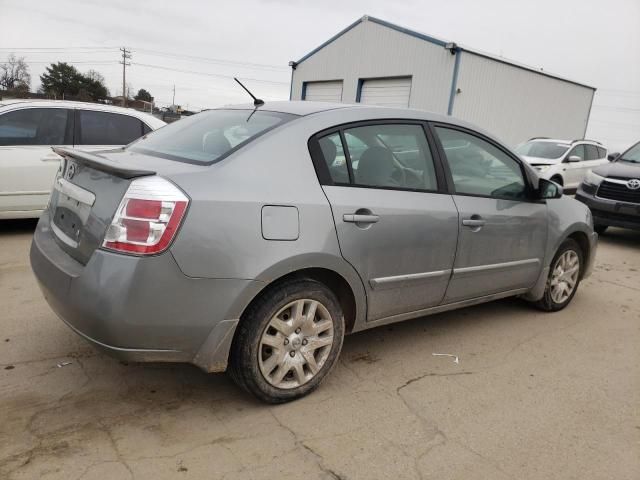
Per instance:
x=17, y=226
x=621, y=237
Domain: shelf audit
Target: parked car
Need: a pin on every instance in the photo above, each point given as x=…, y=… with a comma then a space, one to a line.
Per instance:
x=248, y=238
x=28, y=130
x=612, y=191
x=565, y=162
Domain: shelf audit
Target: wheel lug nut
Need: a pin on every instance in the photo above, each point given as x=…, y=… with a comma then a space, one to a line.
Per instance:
x=304, y=342
x=292, y=353
x=286, y=341
x=297, y=330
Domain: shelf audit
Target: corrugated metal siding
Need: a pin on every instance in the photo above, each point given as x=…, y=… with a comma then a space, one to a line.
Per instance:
x=516, y=104
x=370, y=50
x=387, y=92
x=323, y=91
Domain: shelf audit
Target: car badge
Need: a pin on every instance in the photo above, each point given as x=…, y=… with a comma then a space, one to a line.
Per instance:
x=71, y=171
x=633, y=184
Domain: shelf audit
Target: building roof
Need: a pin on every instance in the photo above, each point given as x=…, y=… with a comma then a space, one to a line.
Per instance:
x=442, y=43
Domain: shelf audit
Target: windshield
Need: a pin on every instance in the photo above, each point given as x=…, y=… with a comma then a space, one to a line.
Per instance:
x=208, y=136
x=543, y=149
x=632, y=155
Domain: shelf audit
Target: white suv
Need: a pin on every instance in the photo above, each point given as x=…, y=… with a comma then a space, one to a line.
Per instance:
x=565, y=162
x=28, y=130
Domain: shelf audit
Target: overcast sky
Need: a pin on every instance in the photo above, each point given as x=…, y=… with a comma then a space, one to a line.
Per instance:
x=593, y=42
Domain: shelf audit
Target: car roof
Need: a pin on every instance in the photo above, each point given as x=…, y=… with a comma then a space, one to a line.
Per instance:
x=30, y=103
x=304, y=108
x=565, y=141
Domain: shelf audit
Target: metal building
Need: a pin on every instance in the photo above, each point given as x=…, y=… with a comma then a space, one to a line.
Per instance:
x=375, y=62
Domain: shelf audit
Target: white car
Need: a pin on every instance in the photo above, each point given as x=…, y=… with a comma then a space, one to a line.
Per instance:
x=28, y=130
x=565, y=162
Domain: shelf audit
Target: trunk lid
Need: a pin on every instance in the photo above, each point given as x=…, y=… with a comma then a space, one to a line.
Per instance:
x=86, y=193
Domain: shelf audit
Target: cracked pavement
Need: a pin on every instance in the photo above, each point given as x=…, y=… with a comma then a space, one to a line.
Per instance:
x=535, y=395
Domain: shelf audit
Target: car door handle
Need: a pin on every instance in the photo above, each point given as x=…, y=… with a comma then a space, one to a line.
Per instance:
x=474, y=222
x=359, y=218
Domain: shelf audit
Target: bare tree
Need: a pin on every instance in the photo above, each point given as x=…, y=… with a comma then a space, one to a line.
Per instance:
x=14, y=74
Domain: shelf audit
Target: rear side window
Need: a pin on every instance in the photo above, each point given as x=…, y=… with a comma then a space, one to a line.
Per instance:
x=35, y=126
x=591, y=152
x=105, y=128
x=381, y=155
x=334, y=157
x=209, y=136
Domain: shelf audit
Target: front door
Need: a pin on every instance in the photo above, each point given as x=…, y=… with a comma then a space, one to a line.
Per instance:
x=395, y=225
x=27, y=163
x=503, y=232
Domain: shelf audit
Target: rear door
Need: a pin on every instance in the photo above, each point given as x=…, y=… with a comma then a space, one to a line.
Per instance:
x=503, y=233
x=96, y=130
x=395, y=223
x=27, y=163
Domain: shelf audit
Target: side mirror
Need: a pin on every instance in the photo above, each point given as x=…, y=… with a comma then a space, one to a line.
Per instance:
x=574, y=158
x=548, y=189
x=612, y=157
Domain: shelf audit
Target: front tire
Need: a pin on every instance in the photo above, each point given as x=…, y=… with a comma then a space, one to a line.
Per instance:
x=564, y=277
x=287, y=341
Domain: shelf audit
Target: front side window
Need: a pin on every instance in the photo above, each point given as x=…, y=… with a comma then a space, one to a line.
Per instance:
x=479, y=168
x=105, y=128
x=543, y=149
x=208, y=136
x=602, y=152
x=578, y=151
x=391, y=155
x=34, y=126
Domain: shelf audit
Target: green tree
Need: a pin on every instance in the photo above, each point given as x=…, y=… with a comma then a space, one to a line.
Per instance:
x=61, y=79
x=143, y=95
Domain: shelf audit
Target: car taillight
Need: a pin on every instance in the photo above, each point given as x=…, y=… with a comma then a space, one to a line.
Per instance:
x=147, y=218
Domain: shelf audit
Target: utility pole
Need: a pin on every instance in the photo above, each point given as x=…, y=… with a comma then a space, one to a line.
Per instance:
x=126, y=55
x=173, y=102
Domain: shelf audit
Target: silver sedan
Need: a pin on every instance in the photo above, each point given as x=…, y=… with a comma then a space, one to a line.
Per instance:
x=252, y=239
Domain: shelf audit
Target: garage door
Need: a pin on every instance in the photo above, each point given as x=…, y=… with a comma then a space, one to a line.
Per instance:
x=388, y=92
x=323, y=91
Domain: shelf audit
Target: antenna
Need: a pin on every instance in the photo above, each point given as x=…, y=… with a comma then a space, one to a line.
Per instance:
x=256, y=101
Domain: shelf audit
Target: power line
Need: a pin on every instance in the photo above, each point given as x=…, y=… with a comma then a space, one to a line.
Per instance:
x=217, y=75
x=212, y=60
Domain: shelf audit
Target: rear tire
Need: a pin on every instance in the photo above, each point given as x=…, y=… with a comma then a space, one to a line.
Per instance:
x=564, y=278
x=600, y=229
x=287, y=341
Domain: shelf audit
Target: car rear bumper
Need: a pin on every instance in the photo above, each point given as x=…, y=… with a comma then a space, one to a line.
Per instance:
x=610, y=212
x=139, y=309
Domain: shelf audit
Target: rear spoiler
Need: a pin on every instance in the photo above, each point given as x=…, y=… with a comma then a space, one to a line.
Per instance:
x=102, y=163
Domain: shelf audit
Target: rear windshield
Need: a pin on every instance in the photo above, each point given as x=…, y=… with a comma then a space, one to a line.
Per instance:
x=543, y=149
x=208, y=136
